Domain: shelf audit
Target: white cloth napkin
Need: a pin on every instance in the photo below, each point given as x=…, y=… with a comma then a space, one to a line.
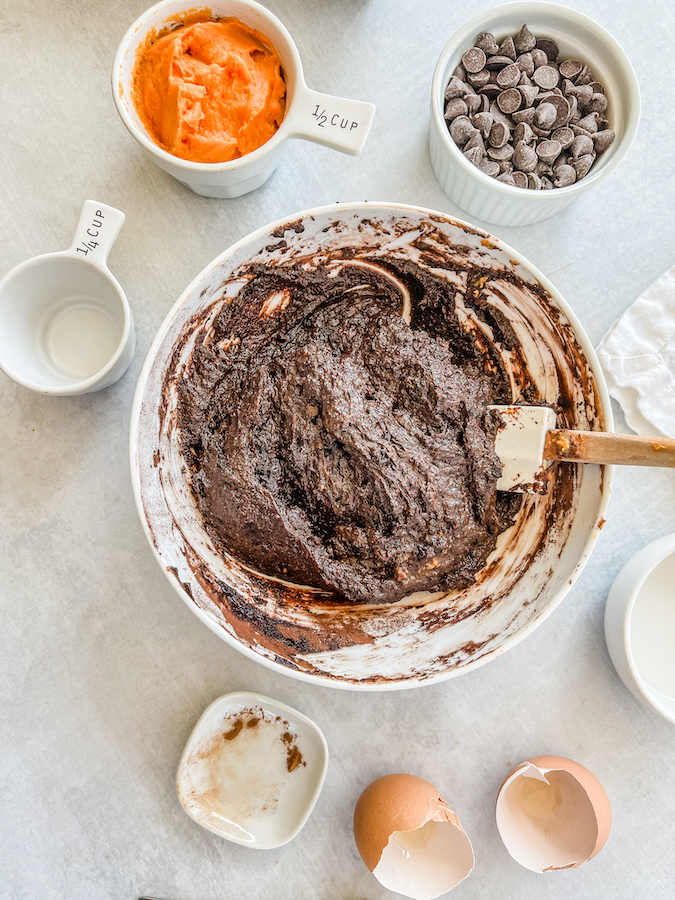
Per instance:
x=638, y=357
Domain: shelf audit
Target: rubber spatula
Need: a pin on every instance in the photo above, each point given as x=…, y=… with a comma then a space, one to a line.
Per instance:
x=528, y=442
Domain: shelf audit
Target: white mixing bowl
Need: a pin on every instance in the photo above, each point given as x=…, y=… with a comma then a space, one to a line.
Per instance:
x=426, y=637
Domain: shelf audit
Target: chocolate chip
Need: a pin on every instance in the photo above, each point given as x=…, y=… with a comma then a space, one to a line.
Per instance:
x=524, y=40
x=581, y=145
x=509, y=76
x=499, y=115
x=474, y=59
x=490, y=90
x=506, y=178
x=539, y=58
x=533, y=181
x=508, y=48
x=474, y=155
x=544, y=133
x=524, y=157
x=549, y=47
x=589, y=122
x=509, y=101
x=529, y=93
x=455, y=107
x=582, y=165
x=598, y=103
x=505, y=165
x=562, y=109
x=548, y=151
x=546, y=183
x=499, y=134
x=564, y=176
x=505, y=152
x=490, y=167
x=519, y=179
x=584, y=77
x=525, y=63
x=478, y=79
x=476, y=140
x=584, y=95
x=564, y=136
x=576, y=129
x=484, y=103
x=487, y=43
x=495, y=63
x=456, y=88
x=473, y=102
x=542, y=169
x=523, y=132
x=546, y=77
x=545, y=116
x=483, y=122
x=570, y=68
x=524, y=115
x=603, y=139
x=460, y=72
x=597, y=88
x=461, y=130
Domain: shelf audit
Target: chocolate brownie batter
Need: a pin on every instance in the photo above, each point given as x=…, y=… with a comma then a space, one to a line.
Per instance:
x=332, y=443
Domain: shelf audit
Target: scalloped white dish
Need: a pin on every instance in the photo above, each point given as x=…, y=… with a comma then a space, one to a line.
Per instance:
x=253, y=786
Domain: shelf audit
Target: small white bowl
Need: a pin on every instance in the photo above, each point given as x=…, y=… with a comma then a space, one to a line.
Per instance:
x=296, y=798
x=640, y=626
x=579, y=38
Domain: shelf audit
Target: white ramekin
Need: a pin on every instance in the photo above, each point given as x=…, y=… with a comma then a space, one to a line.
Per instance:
x=627, y=590
x=333, y=121
x=579, y=38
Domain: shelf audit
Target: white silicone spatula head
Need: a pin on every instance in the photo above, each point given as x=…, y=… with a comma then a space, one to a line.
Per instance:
x=520, y=446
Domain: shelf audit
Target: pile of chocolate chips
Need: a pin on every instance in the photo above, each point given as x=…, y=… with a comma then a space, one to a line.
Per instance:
x=524, y=118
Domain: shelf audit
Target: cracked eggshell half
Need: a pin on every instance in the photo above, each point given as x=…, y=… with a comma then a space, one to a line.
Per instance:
x=552, y=813
x=410, y=839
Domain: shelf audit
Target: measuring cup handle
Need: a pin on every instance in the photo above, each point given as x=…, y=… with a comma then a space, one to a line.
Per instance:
x=338, y=123
x=96, y=232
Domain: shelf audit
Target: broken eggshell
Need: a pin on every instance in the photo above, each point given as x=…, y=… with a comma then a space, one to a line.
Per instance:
x=552, y=813
x=409, y=837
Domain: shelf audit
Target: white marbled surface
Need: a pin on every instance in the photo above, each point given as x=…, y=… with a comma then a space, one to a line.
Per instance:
x=104, y=671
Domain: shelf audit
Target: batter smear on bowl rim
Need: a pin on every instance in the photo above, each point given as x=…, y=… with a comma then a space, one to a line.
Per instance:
x=335, y=427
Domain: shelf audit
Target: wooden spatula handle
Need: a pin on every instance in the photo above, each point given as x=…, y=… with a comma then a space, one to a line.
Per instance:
x=613, y=449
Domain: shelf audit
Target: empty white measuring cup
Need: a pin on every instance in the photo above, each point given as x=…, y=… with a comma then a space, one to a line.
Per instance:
x=65, y=323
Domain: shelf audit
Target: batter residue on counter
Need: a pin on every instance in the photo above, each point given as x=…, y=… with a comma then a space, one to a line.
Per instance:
x=332, y=443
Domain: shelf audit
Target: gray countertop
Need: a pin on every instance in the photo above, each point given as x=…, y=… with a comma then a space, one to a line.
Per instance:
x=104, y=670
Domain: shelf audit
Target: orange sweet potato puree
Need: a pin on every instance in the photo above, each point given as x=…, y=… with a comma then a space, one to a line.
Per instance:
x=210, y=91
